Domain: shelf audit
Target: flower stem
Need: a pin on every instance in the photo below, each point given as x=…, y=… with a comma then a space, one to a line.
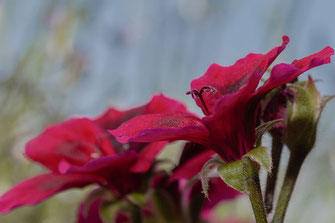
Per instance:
x=136, y=214
x=277, y=147
x=253, y=189
x=292, y=173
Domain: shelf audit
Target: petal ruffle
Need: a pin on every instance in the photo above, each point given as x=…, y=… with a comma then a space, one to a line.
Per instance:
x=115, y=169
x=75, y=141
x=284, y=73
x=39, y=188
x=162, y=127
x=112, y=118
x=227, y=80
x=106, y=166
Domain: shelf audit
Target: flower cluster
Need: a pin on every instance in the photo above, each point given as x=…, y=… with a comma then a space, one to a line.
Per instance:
x=117, y=151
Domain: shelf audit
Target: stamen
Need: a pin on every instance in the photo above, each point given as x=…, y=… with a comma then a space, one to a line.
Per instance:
x=198, y=94
x=207, y=89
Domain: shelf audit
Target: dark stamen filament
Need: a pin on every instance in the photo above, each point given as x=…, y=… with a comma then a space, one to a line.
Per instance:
x=198, y=94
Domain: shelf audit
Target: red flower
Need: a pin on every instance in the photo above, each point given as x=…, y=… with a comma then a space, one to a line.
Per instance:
x=188, y=194
x=79, y=152
x=229, y=98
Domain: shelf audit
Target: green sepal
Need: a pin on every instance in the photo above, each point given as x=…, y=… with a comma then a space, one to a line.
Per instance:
x=216, y=160
x=237, y=174
x=233, y=175
x=302, y=118
x=261, y=156
x=139, y=199
x=324, y=102
x=260, y=130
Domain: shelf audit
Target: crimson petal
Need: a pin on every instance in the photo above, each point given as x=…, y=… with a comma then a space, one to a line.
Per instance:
x=75, y=141
x=218, y=191
x=112, y=118
x=162, y=127
x=284, y=73
x=39, y=188
x=114, y=169
x=229, y=79
x=192, y=166
x=147, y=156
x=92, y=215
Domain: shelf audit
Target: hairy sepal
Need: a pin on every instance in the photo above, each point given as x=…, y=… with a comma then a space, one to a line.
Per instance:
x=237, y=174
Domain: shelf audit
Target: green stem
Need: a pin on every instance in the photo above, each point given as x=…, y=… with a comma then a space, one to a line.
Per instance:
x=277, y=147
x=253, y=189
x=256, y=199
x=136, y=213
x=292, y=173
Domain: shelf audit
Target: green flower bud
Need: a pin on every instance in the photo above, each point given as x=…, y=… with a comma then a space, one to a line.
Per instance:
x=303, y=114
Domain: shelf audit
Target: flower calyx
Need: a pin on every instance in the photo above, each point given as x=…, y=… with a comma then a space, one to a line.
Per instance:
x=237, y=174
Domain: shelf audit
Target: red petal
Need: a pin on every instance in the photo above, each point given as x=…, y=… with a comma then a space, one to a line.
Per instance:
x=191, y=150
x=229, y=79
x=115, y=169
x=122, y=218
x=147, y=156
x=218, y=191
x=75, y=141
x=162, y=127
x=192, y=166
x=91, y=213
x=160, y=104
x=39, y=188
x=112, y=118
x=107, y=166
x=230, y=126
x=284, y=73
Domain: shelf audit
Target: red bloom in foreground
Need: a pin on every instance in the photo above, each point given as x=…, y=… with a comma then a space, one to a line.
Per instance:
x=79, y=152
x=229, y=98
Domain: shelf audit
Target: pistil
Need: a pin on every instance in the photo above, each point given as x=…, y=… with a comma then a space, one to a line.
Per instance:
x=198, y=94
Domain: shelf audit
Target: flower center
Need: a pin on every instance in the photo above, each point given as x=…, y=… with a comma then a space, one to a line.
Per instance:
x=198, y=94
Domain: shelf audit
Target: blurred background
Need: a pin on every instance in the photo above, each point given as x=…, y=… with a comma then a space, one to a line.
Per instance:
x=64, y=58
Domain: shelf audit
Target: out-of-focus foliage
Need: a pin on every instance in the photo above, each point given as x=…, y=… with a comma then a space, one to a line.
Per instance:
x=32, y=88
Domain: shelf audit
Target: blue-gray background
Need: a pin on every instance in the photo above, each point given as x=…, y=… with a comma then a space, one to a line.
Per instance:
x=62, y=58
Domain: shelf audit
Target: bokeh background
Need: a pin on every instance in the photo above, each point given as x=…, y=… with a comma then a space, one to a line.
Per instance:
x=76, y=57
